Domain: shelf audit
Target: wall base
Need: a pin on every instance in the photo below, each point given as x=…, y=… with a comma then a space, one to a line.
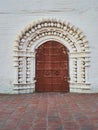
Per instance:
x=30, y=88
x=80, y=88
x=24, y=88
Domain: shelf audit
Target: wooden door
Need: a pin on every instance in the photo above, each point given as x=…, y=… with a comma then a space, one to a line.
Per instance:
x=52, y=69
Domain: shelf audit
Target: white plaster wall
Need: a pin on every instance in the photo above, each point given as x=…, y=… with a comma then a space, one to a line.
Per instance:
x=15, y=15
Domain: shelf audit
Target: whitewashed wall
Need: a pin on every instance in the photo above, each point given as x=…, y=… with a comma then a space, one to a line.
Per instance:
x=14, y=15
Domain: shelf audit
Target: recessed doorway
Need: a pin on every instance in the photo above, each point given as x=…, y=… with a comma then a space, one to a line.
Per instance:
x=52, y=68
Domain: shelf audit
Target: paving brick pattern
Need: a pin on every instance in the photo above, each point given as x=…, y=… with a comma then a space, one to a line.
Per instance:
x=49, y=111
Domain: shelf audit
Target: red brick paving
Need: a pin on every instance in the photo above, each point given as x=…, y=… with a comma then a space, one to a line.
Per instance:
x=49, y=111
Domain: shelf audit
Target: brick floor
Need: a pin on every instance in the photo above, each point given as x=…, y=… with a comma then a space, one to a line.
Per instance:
x=49, y=111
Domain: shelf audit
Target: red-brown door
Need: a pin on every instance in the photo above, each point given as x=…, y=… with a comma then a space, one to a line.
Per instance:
x=52, y=69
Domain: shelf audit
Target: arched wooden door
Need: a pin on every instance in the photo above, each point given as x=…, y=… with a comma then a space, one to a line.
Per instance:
x=52, y=68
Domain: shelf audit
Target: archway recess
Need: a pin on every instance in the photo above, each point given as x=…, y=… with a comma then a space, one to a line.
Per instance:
x=52, y=68
x=36, y=34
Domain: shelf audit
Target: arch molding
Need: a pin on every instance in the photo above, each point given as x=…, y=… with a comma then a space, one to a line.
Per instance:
x=36, y=34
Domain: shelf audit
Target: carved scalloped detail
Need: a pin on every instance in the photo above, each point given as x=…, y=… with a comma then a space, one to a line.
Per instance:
x=64, y=30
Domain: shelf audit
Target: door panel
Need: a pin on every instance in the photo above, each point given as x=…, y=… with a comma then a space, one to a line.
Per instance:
x=52, y=69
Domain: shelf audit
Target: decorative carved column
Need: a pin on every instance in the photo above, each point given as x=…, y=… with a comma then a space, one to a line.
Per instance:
x=73, y=69
x=16, y=70
x=24, y=70
x=79, y=70
x=20, y=69
x=87, y=69
x=33, y=67
x=82, y=70
x=28, y=66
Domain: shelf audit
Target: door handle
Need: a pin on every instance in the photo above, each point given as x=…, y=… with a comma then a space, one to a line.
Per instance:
x=34, y=78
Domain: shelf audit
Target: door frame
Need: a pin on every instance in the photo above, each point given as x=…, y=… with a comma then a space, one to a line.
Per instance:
x=39, y=43
x=36, y=34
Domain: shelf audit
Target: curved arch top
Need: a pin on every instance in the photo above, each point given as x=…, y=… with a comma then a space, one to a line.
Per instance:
x=39, y=32
x=31, y=33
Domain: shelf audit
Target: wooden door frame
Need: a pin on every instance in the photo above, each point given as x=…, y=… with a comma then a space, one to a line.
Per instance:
x=42, y=41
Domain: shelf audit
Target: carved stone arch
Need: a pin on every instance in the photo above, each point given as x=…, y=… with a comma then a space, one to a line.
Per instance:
x=34, y=35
